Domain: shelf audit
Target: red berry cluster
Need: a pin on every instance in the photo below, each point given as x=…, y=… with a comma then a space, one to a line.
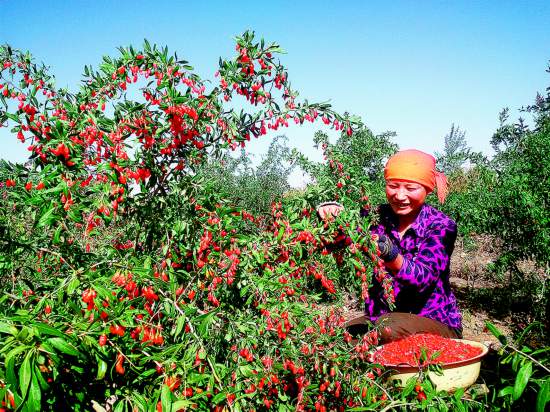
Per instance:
x=437, y=350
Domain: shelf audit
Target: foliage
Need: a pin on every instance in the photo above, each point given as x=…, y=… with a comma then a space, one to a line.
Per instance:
x=133, y=279
x=521, y=375
x=124, y=268
x=508, y=198
x=455, y=152
x=470, y=195
x=524, y=174
x=353, y=164
x=253, y=188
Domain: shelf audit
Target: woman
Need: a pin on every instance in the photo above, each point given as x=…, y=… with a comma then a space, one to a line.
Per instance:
x=416, y=242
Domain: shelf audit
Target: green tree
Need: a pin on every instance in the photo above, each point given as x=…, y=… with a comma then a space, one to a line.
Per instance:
x=253, y=188
x=455, y=153
x=353, y=163
x=508, y=197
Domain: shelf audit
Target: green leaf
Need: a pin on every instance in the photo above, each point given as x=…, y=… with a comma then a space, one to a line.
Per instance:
x=41, y=381
x=206, y=319
x=411, y=382
x=459, y=406
x=73, y=284
x=57, y=235
x=140, y=402
x=47, y=218
x=101, y=369
x=147, y=373
x=48, y=330
x=246, y=370
x=7, y=328
x=35, y=396
x=498, y=334
x=181, y=404
x=180, y=323
x=517, y=360
x=9, y=361
x=281, y=233
x=218, y=398
x=25, y=375
x=522, y=379
x=505, y=391
x=63, y=346
x=12, y=116
x=544, y=396
x=166, y=398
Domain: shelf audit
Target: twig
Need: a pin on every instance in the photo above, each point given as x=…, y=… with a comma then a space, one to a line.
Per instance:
x=101, y=263
x=192, y=330
x=42, y=249
x=383, y=389
x=530, y=357
x=396, y=404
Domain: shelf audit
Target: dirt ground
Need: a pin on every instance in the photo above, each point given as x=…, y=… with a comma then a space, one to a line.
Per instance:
x=468, y=274
x=473, y=319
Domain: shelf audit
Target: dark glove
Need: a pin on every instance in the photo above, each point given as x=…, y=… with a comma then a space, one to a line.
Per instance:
x=388, y=250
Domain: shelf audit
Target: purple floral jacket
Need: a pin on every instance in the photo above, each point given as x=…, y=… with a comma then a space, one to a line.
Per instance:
x=422, y=284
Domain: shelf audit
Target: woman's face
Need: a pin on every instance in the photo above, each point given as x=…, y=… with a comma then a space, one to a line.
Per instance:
x=405, y=197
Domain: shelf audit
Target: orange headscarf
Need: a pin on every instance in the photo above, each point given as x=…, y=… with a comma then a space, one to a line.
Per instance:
x=419, y=167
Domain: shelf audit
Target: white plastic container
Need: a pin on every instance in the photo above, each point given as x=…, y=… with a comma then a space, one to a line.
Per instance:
x=456, y=375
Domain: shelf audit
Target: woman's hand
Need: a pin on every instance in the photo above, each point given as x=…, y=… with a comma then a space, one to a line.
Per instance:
x=388, y=250
x=329, y=210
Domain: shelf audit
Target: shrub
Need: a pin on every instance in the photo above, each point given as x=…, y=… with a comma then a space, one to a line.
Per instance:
x=129, y=281
x=508, y=198
x=352, y=170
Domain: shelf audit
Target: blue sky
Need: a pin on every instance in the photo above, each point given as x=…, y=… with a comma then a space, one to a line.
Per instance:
x=408, y=66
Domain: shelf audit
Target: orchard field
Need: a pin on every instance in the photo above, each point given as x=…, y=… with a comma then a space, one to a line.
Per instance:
x=146, y=267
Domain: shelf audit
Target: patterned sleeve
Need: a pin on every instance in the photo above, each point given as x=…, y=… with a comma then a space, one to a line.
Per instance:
x=432, y=257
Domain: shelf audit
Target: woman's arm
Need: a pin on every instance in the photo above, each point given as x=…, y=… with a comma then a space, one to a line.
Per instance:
x=396, y=264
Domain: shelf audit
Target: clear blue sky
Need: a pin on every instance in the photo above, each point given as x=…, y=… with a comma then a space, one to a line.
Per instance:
x=414, y=67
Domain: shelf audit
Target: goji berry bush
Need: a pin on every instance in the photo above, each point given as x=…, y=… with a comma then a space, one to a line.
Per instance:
x=130, y=283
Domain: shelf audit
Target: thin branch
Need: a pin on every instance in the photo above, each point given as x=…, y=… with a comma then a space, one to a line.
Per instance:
x=530, y=357
x=199, y=340
x=396, y=404
x=42, y=249
x=382, y=389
